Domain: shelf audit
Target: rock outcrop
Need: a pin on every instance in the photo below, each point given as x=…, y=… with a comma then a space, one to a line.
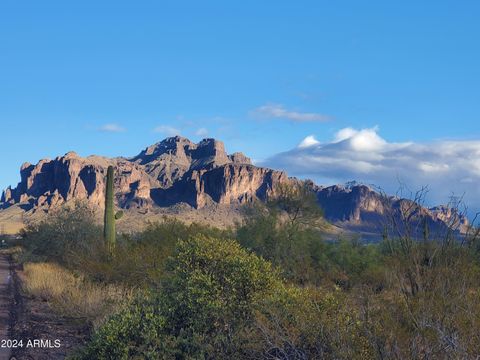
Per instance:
x=360, y=207
x=171, y=171
x=178, y=172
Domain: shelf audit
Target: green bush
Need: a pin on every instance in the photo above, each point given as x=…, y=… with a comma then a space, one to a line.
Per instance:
x=214, y=289
x=349, y=263
x=134, y=333
x=303, y=257
x=266, y=233
x=308, y=323
x=208, y=300
x=70, y=230
x=138, y=260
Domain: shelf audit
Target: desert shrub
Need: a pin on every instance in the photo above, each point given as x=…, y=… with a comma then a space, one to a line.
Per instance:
x=308, y=323
x=135, y=332
x=221, y=301
x=429, y=307
x=269, y=235
x=71, y=295
x=205, y=305
x=214, y=290
x=439, y=319
x=349, y=263
x=302, y=255
x=70, y=229
x=71, y=237
x=138, y=260
x=170, y=230
x=438, y=286
x=15, y=252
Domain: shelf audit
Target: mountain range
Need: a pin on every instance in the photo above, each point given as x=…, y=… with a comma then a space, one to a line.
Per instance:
x=177, y=176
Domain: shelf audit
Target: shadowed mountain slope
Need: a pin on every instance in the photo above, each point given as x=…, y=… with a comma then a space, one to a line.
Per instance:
x=176, y=176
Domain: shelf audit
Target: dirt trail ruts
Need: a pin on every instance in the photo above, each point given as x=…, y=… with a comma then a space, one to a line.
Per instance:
x=6, y=296
x=32, y=318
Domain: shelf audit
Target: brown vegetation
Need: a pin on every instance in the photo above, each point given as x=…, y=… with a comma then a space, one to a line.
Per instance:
x=70, y=295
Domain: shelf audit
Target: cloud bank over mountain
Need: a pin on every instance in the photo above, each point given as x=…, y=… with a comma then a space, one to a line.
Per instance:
x=446, y=167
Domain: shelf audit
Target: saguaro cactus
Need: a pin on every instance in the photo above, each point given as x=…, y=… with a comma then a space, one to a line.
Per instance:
x=109, y=232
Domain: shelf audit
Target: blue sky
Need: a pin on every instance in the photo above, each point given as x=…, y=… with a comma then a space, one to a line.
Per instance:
x=259, y=75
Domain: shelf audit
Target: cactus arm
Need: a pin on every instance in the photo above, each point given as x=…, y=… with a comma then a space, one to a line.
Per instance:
x=118, y=215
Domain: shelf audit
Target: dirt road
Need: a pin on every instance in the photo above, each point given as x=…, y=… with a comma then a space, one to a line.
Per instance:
x=6, y=293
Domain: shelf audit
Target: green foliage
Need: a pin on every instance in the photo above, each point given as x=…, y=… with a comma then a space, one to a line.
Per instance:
x=71, y=237
x=139, y=260
x=301, y=254
x=206, y=297
x=136, y=332
x=299, y=203
x=220, y=301
x=205, y=305
x=309, y=323
x=259, y=232
x=286, y=231
x=210, y=298
x=215, y=283
x=69, y=230
x=348, y=263
x=213, y=291
x=118, y=215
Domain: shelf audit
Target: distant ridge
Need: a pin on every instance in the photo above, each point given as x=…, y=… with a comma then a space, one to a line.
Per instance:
x=177, y=175
x=172, y=171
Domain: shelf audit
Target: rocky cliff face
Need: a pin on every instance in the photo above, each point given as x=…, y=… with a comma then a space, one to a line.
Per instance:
x=178, y=172
x=360, y=207
x=172, y=171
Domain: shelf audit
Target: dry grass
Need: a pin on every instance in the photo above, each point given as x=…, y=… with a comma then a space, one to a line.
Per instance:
x=12, y=251
x=73, y=296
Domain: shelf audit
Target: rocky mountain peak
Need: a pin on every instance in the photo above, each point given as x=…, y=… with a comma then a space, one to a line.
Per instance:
x=71, y=155
x=25, y=165
x=172, y=158
x=209, y=153
x=175, y=146
x=171, y=171
x=177, y=172
x=239, y=158
x=359, y=207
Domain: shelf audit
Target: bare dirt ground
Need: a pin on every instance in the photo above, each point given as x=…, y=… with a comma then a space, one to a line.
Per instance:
x=44, y=334
x=5, y=304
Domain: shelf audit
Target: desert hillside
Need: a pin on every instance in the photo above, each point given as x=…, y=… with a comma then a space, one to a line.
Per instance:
x=194, y=182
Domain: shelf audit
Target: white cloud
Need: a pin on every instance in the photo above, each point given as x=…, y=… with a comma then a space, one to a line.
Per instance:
x=201, y=132
x=113, y=128
x=447, y=167
x=345, y=134
x=278, y=111
x=429, y=167
x=167, y=130
x=308, y=141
